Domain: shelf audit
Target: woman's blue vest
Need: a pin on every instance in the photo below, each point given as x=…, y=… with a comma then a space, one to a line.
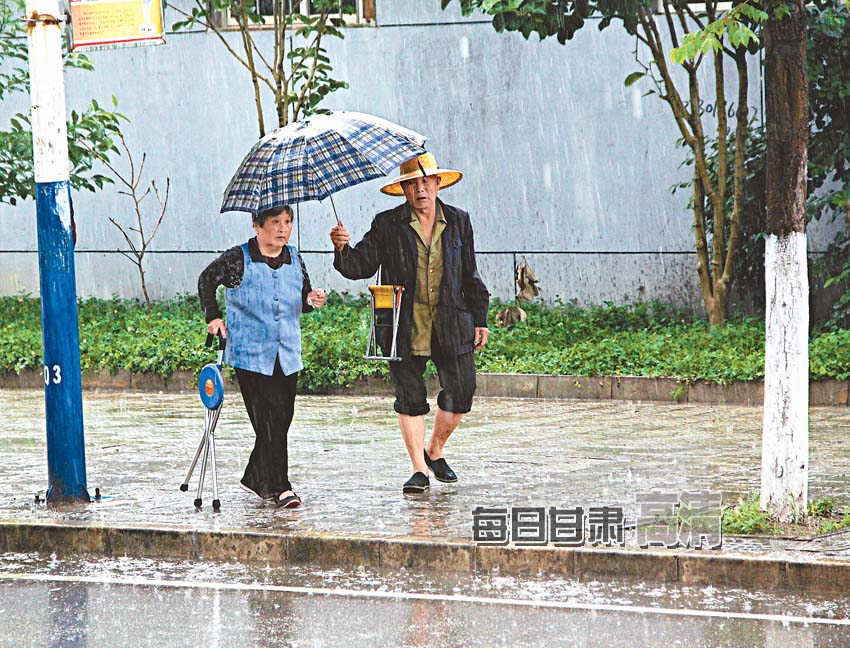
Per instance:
x=264, y=317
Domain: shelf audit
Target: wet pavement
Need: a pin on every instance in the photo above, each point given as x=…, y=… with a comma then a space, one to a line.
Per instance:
x=348, y=463
x=130, y=602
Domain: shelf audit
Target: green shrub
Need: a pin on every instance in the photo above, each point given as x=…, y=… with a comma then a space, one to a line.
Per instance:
x=822, y=507
x=648, y=339
x=747, y=518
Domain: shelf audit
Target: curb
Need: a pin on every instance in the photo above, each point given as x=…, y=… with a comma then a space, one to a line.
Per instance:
x=641, y=388
x=834, y=393
x=336, y=550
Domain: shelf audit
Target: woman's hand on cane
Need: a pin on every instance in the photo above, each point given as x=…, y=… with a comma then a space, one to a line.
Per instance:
x=216, y=327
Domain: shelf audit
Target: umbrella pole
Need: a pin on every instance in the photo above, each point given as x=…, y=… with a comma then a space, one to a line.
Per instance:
x=338, y=222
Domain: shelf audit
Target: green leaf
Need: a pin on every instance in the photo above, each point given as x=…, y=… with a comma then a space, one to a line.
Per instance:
x=781, y=11
x=633, y=77
x=711, y=43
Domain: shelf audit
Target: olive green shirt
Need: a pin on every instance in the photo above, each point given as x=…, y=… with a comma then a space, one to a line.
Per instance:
x=429, y=274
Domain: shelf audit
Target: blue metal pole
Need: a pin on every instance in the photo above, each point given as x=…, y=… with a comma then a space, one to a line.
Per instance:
x=66, y=455
x=66, y=458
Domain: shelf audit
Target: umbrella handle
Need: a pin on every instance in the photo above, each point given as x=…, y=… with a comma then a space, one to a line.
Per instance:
x=338, y=222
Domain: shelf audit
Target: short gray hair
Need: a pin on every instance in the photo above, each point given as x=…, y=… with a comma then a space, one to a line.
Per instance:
x=261, y=218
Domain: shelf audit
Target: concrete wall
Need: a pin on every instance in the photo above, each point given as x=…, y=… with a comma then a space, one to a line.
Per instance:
x=562, y=163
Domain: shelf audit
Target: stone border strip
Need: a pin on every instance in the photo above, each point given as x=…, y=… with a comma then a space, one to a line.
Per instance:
x=619, y=388
x=336, y=550
x=640, y=388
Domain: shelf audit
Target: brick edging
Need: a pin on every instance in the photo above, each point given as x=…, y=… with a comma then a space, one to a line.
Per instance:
x=335, y=550
x=620, y=388
x=640, y=388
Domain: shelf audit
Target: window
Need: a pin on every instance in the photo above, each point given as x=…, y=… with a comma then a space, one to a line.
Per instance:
x=353, y=12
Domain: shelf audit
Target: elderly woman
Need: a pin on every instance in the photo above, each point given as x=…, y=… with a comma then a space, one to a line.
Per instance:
x=267, y=290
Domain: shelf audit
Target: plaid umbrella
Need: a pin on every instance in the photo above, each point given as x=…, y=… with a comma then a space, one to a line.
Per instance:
x=314, y=157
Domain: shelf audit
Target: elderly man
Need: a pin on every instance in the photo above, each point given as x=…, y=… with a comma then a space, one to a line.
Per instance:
x=426, y=246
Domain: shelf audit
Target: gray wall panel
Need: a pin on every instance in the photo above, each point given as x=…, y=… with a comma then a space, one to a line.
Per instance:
x=18, y=274
x=558, y=155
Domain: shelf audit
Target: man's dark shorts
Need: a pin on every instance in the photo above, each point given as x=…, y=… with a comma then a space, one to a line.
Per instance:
x=457, y=379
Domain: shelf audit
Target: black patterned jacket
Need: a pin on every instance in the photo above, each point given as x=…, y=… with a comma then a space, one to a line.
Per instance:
x=391, y=244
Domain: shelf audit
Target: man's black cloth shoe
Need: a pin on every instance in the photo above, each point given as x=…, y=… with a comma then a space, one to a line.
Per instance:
x=442, y=471
x=418, y=483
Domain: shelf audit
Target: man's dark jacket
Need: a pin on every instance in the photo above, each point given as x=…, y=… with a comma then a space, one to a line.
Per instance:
x=391, y=244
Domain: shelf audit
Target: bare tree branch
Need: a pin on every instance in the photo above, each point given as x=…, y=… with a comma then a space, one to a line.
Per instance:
x=742, y=121
x=125, y=235
x=163, y=205
x=703, y=267
x=719, y=207
x=670, y=26
x=132, y=183
x=671, y=94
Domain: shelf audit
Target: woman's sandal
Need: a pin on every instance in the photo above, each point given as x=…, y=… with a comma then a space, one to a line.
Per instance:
x=253, y=492
x=290, y=501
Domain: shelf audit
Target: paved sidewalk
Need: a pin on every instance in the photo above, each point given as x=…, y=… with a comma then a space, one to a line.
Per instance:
x=348, y=464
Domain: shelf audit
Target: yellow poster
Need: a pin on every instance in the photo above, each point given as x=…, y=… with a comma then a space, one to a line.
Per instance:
x=102, y=24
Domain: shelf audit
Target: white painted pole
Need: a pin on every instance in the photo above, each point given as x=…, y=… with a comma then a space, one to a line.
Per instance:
x=47, y=91
x=785, y=440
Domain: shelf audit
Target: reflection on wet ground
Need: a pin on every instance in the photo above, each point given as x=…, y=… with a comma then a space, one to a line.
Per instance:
x=124, y=601
x=348, y=461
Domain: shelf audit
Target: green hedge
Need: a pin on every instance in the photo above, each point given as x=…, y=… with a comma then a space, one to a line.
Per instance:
x=647, y=339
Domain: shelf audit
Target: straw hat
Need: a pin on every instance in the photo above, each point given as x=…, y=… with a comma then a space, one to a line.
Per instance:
x=424, y=165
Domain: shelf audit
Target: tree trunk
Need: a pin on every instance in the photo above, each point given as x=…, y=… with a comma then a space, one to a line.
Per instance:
x=144, y=285
x=785, y=439
x=715, y=264
x=718, y=306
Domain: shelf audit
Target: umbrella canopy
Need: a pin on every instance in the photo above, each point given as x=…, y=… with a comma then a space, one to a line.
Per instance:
x=312, y=158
